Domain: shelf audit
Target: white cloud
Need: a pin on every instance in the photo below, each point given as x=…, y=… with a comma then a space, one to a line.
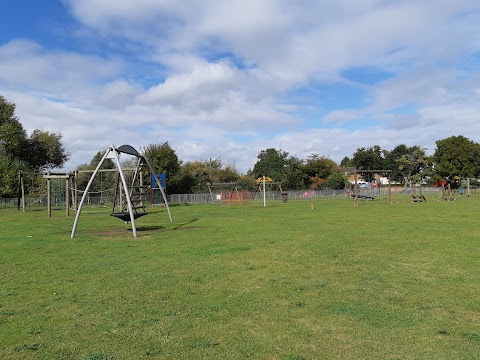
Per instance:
x=118, y=94
x=343, y=116
x=215, y=78
x=206, y=80
x=66, y=76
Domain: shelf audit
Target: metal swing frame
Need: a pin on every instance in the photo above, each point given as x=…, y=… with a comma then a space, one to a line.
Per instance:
x=114, y=154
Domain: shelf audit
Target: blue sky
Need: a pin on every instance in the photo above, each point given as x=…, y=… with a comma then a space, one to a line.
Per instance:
x=228, y=79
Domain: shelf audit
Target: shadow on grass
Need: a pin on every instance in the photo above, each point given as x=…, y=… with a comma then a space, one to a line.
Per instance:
x=179, y=205
x=183, y=225
x=179, y=226
x=145, y=229
x=37, y=209
x=149, y=228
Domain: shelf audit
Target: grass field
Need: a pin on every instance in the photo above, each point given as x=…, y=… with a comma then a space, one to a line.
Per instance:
x=289, y=282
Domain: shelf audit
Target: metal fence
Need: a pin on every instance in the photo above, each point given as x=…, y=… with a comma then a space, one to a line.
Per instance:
x=59, y=201
x=295, y=195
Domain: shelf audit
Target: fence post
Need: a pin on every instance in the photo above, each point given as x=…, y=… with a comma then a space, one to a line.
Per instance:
x=49, y=196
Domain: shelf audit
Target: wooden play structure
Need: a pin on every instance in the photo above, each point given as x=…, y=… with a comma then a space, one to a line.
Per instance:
x=449, y=186
x=49, y=177
x=356, y=195
x=101, y=195
x=446, y=193
x=417, y=197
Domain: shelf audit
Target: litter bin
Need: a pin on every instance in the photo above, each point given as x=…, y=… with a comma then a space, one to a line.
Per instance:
x=284, y=197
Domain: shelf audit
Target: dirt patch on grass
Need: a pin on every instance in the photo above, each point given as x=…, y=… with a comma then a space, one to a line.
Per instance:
x=112, y=232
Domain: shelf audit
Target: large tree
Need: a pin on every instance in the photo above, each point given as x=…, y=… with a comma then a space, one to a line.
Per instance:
x=272, y=163
x=368, y=158
x=457, y=156
x=42, y=150
x=391, y=161
x=406, y=162
x=12, y=142
x=13, y=136
x=346, y=162
x=318, y=169
x=295, y=176
x=413, y=163
x=196, y=174
x=371, y=158
x=336, y=180
x=9, y=168
x=320, y=166
x=164, y=159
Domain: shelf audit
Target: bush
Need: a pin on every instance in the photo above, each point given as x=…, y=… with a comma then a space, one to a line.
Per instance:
x=336, y=181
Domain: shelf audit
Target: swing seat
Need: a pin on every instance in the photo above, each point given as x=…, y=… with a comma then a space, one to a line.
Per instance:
x=125, y=216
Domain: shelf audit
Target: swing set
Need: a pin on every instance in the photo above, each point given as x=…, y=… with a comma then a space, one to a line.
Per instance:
x=49, y=177
x=357, y=193
x=99, y=193
x=227, y=193
x=130, y=197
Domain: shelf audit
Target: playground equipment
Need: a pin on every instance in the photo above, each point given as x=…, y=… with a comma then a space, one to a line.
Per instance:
x=356, y=195
x=227, y=193
x=49, y=177
x=447, y=187
x=446, y=193
x=156, y=197
x=262, y=182
x=101, y=191
x=133, y=201
x=420, y=197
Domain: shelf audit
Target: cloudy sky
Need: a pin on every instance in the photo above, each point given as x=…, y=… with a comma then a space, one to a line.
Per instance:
x=226, y=79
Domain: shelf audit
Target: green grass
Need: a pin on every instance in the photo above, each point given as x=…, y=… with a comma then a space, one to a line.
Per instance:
x=381, y=281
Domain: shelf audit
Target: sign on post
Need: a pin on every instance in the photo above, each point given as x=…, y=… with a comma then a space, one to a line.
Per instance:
x=160, y=177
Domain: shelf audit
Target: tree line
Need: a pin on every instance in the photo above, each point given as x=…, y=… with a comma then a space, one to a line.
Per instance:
x=454, y=157
x=37, y=152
